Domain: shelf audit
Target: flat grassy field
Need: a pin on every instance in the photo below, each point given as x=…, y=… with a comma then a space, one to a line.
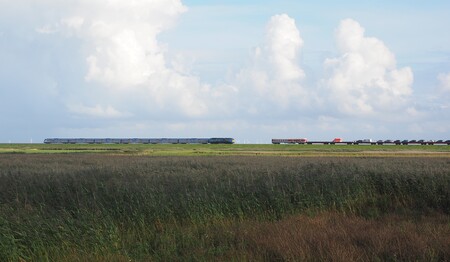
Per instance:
x=224, y=203
x=236, y=149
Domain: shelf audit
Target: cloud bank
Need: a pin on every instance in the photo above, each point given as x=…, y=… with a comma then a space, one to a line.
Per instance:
x=364, y=79
x=126, y=61
x=131, y=78
x=124, y=58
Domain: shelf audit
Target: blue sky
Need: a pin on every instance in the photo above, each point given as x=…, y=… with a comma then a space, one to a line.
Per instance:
x=253, y=71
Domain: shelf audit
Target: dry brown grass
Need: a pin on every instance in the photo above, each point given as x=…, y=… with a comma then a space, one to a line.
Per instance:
x=336, y=237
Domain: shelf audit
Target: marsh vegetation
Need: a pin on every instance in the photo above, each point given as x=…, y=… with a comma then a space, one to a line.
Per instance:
x=107, y=207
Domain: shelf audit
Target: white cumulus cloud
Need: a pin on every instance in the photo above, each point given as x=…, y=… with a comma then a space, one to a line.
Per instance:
x=364, y=79
x=120, y=37
x=125, y=58
x=283, y=47
x=274, y=77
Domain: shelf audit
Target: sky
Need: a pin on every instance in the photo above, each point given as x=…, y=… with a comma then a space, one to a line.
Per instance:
x=251, y=70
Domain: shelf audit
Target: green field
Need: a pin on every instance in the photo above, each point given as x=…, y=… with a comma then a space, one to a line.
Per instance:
x=236, y=149
x=224, y=203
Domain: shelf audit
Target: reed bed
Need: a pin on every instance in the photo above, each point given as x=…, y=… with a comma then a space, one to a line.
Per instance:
x=82, y=207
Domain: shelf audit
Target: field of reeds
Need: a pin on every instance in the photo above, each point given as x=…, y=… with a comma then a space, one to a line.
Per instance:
x=118, y=207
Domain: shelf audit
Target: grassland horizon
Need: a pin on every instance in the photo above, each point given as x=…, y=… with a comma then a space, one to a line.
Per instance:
x=234, y=149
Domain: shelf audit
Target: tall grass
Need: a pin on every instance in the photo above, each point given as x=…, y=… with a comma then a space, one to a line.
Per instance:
x=99, y=207
x=334, y=237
